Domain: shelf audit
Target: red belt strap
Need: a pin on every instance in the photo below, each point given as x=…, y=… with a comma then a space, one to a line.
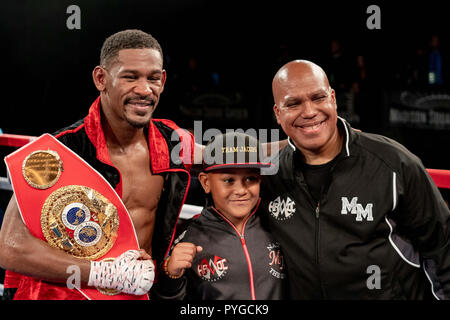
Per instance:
x=76, y=173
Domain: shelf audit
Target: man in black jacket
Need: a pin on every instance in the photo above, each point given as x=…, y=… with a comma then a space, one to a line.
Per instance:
x=356, y=214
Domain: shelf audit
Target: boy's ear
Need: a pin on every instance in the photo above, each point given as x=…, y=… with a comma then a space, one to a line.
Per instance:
x=203, y=178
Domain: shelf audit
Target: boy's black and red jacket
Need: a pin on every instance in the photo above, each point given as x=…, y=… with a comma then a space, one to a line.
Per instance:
x=380, y=230
x=171, y=155
x=232, y=266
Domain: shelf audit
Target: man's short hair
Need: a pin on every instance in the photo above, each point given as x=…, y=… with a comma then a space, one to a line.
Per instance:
x=127, y=39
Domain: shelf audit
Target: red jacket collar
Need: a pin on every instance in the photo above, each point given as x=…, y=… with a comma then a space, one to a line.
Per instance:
x=158, y=149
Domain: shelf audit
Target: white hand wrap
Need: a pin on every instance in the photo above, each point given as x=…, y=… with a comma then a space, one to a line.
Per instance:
x=125, y=273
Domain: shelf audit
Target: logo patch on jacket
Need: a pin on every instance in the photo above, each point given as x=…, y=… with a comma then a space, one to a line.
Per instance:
x=357, y=209
x=282, y=209
x=212, y=268
x=276, y=260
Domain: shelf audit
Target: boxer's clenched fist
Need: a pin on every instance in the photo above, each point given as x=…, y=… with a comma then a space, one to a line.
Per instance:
x=181, y=258
x=128, y=273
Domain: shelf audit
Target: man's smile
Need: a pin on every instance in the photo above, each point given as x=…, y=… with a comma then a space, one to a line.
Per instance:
x=311, y=127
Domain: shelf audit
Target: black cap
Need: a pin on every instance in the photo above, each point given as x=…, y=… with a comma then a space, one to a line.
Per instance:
x=233, y=150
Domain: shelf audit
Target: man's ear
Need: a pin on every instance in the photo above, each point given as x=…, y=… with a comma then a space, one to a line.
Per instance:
x=277, y=113
x=204, y=181
x=99, y=77
x=333, y=98
x=163, y=79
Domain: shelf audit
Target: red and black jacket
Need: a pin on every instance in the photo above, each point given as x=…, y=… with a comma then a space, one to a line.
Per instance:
x=171, y=152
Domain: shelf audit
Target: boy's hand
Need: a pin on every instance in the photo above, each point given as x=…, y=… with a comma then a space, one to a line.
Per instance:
x=181, y=258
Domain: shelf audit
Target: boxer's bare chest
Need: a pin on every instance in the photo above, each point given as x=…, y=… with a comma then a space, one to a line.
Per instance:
x=141, y=190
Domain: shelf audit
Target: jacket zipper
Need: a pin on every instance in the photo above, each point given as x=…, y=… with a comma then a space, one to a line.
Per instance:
x=250, y=268
x=316, y=212
x=317, y=235
x=315, y=205
x=244, y=247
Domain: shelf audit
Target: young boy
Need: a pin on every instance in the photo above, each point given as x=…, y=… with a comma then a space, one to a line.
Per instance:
x=226, y=253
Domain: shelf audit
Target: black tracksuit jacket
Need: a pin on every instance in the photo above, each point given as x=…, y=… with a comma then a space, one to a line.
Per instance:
x=379, y=231
x=231, y=266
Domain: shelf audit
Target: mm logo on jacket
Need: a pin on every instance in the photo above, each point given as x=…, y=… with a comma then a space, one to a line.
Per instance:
x=356, y=208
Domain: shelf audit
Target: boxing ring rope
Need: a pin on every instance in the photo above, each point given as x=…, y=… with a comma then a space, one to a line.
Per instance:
x=440, y=177
x=14, y=140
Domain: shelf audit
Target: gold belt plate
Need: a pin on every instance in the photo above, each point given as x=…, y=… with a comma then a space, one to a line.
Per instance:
x=42, y=168
x=80, y=221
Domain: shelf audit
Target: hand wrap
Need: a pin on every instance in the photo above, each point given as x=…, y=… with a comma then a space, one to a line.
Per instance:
x=126, y=273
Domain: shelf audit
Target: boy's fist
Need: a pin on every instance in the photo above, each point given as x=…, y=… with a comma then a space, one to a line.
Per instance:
x=181, y=258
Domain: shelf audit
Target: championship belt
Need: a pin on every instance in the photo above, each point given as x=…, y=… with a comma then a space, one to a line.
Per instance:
x=68, y=204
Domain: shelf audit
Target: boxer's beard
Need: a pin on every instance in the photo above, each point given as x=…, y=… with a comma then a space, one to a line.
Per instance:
x=139, y=124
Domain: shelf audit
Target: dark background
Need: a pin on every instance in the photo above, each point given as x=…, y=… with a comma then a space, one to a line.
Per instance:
x=237, y=47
